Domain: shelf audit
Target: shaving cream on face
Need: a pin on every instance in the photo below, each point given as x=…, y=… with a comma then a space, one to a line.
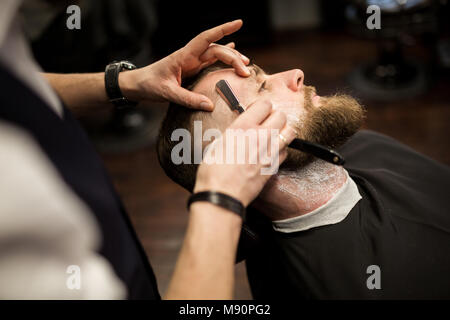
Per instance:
x=295, y=114
x=312, y=185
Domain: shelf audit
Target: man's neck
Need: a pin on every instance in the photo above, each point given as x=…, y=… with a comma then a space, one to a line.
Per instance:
x=293, y=193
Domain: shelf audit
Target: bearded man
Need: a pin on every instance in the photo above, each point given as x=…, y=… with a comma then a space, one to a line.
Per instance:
x=376, y=228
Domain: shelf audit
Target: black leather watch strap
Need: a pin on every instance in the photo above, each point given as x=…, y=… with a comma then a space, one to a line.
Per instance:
x=220, y=199
x=112, y=83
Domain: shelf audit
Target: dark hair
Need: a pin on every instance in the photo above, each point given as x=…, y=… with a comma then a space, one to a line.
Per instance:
x=180, y=117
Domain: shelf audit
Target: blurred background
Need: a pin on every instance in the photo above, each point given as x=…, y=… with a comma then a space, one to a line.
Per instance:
x=400, y=73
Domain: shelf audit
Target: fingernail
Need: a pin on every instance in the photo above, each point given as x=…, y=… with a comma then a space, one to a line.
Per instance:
x=206, y=105
x=247, y=72
x=245, y=58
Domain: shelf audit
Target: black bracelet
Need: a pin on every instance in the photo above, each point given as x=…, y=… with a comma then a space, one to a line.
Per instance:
x=219, y=199
x=113, y=91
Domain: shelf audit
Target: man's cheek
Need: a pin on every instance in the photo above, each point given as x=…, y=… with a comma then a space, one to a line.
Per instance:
x=228, y=116
x=295, y=114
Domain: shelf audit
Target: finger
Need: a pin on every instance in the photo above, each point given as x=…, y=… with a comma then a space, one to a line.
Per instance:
x=229, y=46
x=245, y=59
x=282, y=156
x=276, y=120
x=207, y=64
x=277, y=148
x=189, y=99
x=287, y=135
x=254, y=116
x=228, y=56
x=201, y=42
x=210, y=62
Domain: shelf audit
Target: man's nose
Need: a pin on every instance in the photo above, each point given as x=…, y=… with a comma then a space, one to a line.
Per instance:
x=295, y=79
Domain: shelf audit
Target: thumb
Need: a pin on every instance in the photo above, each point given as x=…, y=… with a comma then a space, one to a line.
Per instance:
x=255, y=114
x=190, y=99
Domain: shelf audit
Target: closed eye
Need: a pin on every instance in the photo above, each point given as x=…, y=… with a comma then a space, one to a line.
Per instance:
x=262, y=87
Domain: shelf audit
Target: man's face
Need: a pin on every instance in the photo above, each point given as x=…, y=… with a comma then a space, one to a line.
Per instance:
x=285, y=90
x=325, y=120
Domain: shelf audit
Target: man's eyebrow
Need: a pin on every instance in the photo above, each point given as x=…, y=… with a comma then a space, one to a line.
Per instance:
x=258, y=70
x=255, y=72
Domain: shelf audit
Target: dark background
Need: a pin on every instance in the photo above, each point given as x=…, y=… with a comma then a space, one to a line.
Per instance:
x=328, y=40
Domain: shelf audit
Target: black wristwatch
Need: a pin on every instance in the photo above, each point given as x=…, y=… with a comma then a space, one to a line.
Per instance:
x=112, y=83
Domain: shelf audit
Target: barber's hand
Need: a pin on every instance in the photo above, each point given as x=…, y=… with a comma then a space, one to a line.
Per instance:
x=245, y=181
x=162, y=79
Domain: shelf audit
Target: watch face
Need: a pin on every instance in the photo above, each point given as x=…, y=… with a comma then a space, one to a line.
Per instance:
x=127, y=65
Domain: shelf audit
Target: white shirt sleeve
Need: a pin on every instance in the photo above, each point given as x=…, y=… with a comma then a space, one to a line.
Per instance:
x=46, y=231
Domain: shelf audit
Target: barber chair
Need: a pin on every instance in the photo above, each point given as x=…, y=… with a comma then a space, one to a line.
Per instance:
x=393, y=75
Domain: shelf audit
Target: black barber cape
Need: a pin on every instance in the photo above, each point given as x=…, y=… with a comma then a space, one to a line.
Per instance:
x=70, y=151
x=401, y=225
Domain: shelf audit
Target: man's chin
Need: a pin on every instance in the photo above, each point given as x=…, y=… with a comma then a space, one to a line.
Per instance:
x=338, y=118
x=331, y=124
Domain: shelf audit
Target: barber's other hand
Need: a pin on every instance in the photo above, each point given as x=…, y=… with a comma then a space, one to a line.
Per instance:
x=245, y=181
x=162, y=80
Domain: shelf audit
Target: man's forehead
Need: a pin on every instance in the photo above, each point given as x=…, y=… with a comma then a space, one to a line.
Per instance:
x=241, y=86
